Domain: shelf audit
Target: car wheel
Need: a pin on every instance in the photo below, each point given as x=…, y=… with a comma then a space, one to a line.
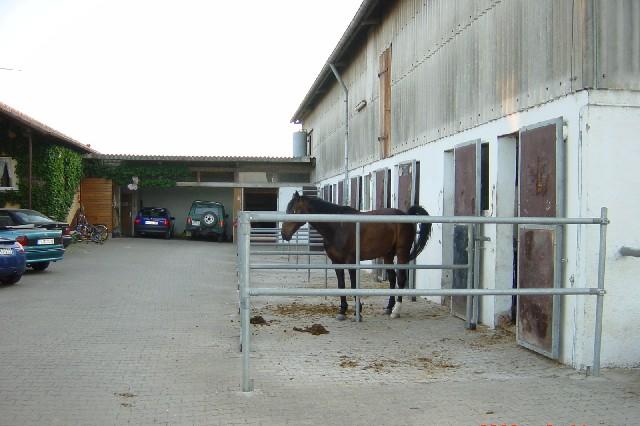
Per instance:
x=11, y=279
x=167, y=235
x=40, y=266
x=220, y=238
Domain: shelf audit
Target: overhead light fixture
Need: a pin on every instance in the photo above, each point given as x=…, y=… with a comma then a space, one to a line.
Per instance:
x=361, y=105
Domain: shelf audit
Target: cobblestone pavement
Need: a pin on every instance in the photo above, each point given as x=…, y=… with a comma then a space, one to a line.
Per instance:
x=146, y=331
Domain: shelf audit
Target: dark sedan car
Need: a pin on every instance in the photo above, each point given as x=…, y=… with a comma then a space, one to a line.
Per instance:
x=13, y=217
x=154, y=221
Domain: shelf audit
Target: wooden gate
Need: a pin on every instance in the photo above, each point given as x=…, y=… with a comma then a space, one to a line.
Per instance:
x=96, y=197
x=541, y=193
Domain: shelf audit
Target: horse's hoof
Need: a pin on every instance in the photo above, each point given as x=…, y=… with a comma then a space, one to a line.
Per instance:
x=341, y=317
x=395, y=313
x=387, y=311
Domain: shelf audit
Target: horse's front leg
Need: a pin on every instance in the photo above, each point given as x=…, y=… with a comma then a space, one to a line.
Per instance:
x=343, y=299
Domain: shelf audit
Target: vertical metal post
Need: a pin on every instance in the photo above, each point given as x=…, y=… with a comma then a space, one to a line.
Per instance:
x=309, y=255
x=597, y=344
x=470, y=265
x=476, y=276
x=358, y=319
x=244, y=231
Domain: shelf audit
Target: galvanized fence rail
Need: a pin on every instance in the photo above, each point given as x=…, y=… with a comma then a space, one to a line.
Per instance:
x=245, y=266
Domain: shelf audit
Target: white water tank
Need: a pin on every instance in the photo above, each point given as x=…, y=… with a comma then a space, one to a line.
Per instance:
x=299, y=144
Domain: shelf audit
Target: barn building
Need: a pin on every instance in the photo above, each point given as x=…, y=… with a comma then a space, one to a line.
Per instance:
x=497, y=108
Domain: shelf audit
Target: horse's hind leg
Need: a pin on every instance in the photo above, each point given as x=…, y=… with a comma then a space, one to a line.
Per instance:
x=402, y=280
x=352, y=278
x=343, y=300
x=391, y=275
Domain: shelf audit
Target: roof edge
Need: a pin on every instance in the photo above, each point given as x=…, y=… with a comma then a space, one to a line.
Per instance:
x=32, y=123
x=352, y=30
x=197, y=158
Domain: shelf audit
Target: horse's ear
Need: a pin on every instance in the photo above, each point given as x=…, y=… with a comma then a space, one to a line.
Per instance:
x=296, y=195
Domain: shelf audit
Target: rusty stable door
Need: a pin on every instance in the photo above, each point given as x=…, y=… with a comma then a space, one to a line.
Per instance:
x=466, y=202
x=408, y=195
x=382, y=192
x=540, y=248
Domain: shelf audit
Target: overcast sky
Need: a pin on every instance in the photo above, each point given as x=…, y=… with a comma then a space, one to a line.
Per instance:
x=189, y=77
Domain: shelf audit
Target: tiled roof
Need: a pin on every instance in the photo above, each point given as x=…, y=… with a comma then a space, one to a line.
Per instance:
x=44, y=129
x=199, y=158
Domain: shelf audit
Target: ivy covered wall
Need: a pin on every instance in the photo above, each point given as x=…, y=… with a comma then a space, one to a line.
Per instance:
x=154, y=175
x=56, y=175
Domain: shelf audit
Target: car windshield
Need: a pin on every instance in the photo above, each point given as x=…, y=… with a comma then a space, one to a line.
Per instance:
x=154, y=212
x=203, y=209
x=32, y=216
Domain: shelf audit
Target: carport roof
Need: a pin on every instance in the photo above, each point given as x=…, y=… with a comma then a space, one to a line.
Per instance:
x=200, y=158
x=34, y=124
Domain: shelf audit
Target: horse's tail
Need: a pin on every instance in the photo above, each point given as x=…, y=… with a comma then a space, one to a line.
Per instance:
x=423, y=235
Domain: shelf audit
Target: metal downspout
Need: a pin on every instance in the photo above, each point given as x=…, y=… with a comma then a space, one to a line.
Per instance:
x=346, y=192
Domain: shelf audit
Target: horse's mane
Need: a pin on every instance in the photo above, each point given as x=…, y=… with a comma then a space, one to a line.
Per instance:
x=320, y=206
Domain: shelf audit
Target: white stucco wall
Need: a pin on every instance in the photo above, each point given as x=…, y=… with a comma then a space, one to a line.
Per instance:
x=610, y=150
x=602, y=151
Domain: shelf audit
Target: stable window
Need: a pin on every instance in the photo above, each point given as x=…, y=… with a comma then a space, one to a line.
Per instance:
x=7, y=174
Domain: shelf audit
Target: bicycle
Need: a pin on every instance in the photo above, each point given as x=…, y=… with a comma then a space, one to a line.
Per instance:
x=84, y=231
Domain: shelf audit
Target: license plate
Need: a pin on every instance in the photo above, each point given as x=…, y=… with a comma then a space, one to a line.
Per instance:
x=6, y=251
x=45, y=241
x=195, y=223
x=151, y=222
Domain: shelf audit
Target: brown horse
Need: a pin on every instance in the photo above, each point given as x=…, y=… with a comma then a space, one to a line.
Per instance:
x=386, y=240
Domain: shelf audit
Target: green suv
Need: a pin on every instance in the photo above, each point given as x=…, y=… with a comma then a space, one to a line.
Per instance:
x=206, y=218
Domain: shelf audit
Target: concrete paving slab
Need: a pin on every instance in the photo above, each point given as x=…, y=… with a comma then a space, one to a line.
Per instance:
x=146, y=331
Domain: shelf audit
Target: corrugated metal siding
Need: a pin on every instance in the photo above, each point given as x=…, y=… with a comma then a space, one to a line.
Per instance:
x=618, y=44
x=458, y=64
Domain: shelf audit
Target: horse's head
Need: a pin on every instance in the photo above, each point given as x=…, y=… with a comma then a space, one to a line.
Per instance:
x=297, y=205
